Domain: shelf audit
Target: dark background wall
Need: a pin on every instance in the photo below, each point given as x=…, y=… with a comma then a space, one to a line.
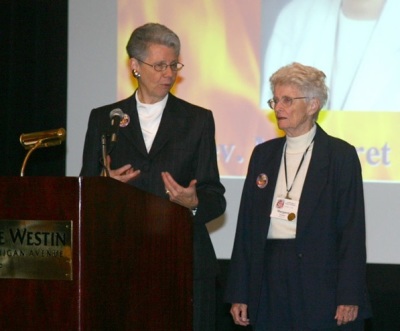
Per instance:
x=383, y=283
x=34, y=44
x=33, y=39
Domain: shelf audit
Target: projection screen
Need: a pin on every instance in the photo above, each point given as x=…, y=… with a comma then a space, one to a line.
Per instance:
x=229, y=49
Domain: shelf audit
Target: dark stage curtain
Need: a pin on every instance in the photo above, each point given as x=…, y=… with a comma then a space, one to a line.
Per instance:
x=33, y=36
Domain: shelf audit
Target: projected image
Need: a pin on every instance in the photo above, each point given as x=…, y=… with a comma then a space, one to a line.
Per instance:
x=220, y=51
x=354, y=42
x=230, y=49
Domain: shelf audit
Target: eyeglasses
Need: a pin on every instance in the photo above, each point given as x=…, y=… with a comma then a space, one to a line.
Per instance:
x=286, y=101
x=175, y=66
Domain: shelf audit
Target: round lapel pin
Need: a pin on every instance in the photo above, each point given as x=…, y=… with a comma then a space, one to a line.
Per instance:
x=262, y=180
x=125, y=121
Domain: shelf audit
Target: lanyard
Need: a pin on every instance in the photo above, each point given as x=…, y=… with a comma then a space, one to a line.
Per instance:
x=298, y=169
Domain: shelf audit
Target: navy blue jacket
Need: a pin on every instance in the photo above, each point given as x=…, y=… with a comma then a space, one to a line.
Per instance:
x=330, y=237
x=184, y=146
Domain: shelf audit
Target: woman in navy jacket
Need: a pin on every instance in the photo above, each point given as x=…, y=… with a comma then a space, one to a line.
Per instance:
x=165, y=146
x=299, y=254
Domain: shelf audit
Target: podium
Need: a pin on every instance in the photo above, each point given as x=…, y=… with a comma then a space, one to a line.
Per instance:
x=131, y=258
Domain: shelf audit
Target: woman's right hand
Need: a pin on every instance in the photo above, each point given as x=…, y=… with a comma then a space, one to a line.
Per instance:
x=239, y=314
x=124, y=174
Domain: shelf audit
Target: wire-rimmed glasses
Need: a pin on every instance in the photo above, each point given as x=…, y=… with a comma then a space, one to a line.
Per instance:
x=175, y=66
x=285, y=101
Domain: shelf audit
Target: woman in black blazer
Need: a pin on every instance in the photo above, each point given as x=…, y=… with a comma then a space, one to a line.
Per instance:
x=299, y=255
x=165, y=146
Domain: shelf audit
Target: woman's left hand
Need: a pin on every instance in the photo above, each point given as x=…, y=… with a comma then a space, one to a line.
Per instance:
x=346, y=314
x=184, y=196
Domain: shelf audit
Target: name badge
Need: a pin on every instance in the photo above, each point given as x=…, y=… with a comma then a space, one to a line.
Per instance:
x=285, y=209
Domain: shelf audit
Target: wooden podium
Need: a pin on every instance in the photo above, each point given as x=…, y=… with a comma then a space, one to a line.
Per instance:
x=131, y=258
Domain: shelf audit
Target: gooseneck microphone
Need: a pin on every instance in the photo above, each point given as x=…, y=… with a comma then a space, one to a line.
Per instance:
x=116, y=116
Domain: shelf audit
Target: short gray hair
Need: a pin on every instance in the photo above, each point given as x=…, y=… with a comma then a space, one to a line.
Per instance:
x=148, y=34
x=308, y=80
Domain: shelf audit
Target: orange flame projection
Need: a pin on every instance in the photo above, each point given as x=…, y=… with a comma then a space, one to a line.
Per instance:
x=221, y=52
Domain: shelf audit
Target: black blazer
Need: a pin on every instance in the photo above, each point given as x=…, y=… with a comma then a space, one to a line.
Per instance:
x=184, y=146
x=330, y=237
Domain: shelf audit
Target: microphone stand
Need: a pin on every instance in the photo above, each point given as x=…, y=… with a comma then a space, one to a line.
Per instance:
x=104, y=171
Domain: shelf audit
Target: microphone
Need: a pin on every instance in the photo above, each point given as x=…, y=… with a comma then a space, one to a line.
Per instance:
x=42, y=138
x=116, y=116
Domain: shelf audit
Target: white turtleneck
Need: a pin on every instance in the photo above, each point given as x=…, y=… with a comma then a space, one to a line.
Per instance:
x=295, y=148
x=149, y=118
